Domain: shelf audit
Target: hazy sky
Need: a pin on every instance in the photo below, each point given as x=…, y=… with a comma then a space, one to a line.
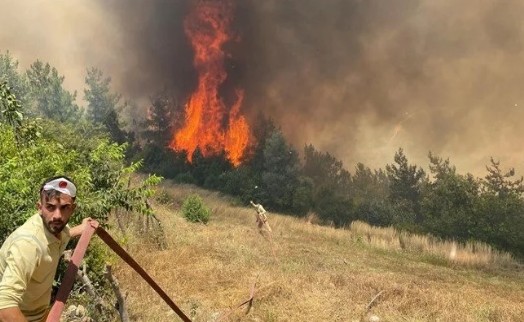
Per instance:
x=356, y=78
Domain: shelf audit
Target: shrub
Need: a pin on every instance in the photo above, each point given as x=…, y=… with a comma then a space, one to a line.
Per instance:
x=194, y=209
x=163, y=198
x=185, y=177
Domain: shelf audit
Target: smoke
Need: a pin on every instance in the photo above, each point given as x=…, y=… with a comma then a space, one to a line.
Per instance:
x=356, y=78
x=362, y=78
x=70, y=35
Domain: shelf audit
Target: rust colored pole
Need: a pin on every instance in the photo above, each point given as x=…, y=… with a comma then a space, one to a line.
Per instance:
x=74, y=264
x=131, y=262
x=70, y=275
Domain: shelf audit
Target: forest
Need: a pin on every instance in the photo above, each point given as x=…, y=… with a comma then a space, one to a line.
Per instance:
x=46, y=129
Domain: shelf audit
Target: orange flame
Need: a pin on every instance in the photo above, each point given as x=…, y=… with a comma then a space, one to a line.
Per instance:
x=208, y=123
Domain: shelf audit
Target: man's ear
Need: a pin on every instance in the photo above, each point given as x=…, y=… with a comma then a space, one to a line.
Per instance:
x=73, y=206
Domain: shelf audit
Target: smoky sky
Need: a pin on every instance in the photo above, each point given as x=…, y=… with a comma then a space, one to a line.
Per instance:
x=356, y=78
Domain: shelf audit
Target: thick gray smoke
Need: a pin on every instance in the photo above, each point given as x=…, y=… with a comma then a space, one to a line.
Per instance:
x=357, y=78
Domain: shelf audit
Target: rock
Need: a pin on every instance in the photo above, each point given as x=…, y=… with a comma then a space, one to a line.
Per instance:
x=70, y=311
x=374, y=318
x=80, y=311
x=215, y=316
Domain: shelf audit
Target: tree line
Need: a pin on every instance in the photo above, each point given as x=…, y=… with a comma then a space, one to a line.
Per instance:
x=438, y=201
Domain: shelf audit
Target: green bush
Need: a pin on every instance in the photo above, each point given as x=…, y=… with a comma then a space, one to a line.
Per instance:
x=194, y=209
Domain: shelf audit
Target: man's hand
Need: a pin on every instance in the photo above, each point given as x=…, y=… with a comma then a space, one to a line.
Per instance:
x=12, y=314
x=77, y=230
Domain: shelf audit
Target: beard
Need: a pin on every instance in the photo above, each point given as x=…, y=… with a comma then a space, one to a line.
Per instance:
x=54, y=226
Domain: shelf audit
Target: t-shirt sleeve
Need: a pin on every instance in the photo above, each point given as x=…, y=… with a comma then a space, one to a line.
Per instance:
x=22, y=259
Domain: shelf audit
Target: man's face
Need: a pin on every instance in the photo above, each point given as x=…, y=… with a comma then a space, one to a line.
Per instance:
x=56, y=211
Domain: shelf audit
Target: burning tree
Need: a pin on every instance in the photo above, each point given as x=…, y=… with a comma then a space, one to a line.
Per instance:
x=210, y=125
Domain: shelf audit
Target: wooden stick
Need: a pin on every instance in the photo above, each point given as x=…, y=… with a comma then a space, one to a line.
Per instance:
x=122, y=310
x=373, y=300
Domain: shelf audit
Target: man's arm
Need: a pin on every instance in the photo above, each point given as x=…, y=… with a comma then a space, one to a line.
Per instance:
x=21, y=261
x=77, y=230
x=12, y=314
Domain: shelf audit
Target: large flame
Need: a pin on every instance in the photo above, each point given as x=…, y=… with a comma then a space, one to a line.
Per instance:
x=209, y=124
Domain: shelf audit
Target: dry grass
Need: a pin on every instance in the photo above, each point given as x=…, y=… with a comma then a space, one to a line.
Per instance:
x=473, y=254
x=306, y=272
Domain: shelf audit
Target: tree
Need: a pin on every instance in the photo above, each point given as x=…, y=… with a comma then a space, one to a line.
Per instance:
x=49, y=98
x=11, y=114
x=325, y=170
x=501, y=209
x=15, y=81
x=501, y=184
x=405, y=185
x=158, y=126
x=330, y=187
x=367, y=184
x=103, y=105
x=280, y=173
x=449, y=202
x=10, y=108
x=263, y=129
x=208, y=170
x=242, y=182
x=154, y=137
x=165, y=162
x=246, y=180
x=369, y=192
x=303, y=196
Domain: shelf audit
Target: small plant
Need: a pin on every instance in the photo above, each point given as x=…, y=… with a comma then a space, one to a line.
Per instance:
x=194, y=209
x=164, y=198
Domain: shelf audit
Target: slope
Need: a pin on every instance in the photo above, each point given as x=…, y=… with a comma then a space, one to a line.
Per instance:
x=303, y=272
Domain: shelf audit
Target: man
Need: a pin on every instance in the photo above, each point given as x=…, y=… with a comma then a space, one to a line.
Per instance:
x=29, y=256
x=261, y=216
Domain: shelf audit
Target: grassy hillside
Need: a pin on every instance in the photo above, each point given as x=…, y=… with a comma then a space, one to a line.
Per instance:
x=305, y=272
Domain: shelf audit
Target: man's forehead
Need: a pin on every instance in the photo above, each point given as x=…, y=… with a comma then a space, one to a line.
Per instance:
x=62, y=200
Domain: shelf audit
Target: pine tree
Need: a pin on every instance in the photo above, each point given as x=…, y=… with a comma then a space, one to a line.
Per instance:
x=280, y=173
x=49, y=98
x=103, y=105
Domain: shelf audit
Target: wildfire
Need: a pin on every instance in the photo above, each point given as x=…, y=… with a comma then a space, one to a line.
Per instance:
x=209, y=124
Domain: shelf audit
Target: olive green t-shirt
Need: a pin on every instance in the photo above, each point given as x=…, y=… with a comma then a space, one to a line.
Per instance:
x=28, y=261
